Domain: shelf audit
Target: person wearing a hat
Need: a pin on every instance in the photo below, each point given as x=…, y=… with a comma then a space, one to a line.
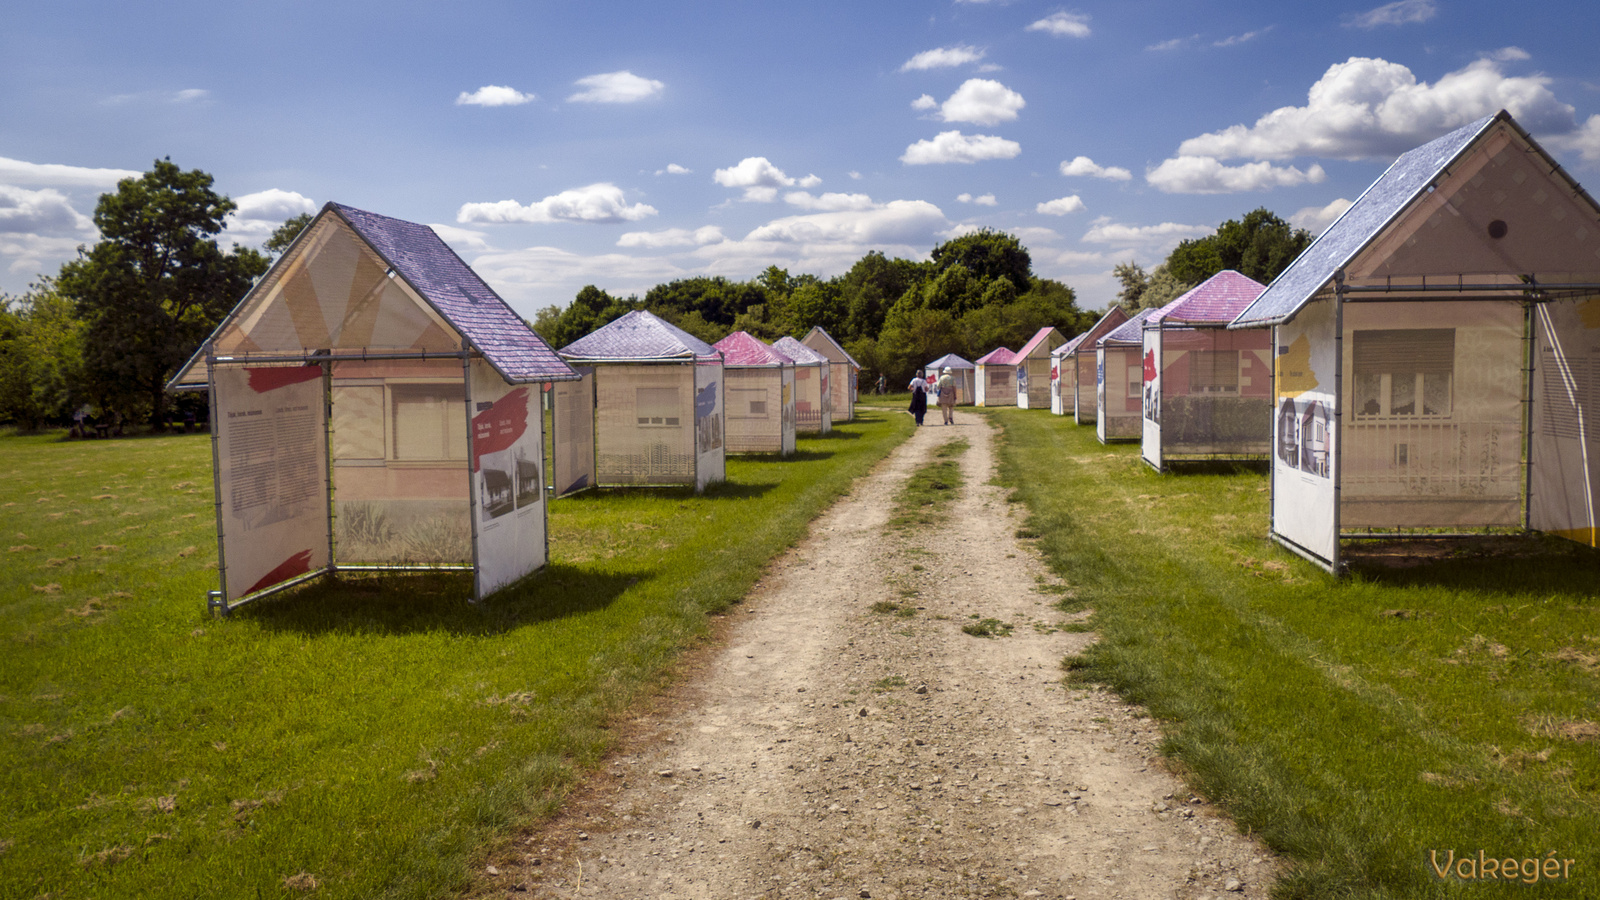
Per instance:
x=947, y=395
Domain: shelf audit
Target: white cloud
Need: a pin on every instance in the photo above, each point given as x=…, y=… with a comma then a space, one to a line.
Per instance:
x=1241, y=38
x=810, y=181
x=1401, y=12
x=1060, y=207
x=955, y=147
x=854, y=175
x=1172, y=43
x=1206, y=175
x=1032, y=235
x=980, y=200
x=1105, y=231
x=551, y=275
x=1078, y=258
x=190, y=95
x=673, y=237
x=42, y=212
x=829, y=202
x=982, y=102
x=187, y=95
x=1316, y=219
x=273, y=205
x=926, y=101
x=673, y=169
x=942, y=58
x=1584, y=141
x=462, y=238
x=1083, y=165
x=616, y=87
x=17, y=172
x=1510, y=54
x=758, y=176
x=494, y=95
x=30, y=255
x=1374, y=108
x=898, y=221
x=602, y=203
x=1063, y=24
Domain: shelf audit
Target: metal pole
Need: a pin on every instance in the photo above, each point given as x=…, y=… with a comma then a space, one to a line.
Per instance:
x=1529, y=351
x=472, y=493
x=220, y=601
x=1337, y=458
x=327, y=448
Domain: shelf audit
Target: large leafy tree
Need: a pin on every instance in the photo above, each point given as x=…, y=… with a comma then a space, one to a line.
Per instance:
x=40, y=357
x=1259, y=245
x=987, y=255
x=155, y=285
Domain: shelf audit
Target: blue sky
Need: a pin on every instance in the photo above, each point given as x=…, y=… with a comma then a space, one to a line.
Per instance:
x=626, y=144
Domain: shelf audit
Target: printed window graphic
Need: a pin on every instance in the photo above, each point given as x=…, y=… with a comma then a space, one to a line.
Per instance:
x=429, y=421
x=656, y=406
x=1213, y=371
x=1403, y=373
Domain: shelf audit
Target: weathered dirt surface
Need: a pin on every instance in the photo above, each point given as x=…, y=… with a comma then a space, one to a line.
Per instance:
x=826, y=750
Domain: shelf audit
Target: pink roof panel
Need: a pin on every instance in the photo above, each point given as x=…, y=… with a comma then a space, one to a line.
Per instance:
x=742, y=349
x=1215, y=301
x=999, y=356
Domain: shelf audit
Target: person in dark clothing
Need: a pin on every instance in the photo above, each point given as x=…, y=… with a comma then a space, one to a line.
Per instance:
x=919, y=397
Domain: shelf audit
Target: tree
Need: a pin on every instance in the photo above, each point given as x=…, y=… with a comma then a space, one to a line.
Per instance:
x=589, y=310
x=1134, y=281
x=41, y=358
x=1259, y=245
x=155, y=285
x=286, y=233
x=987, y=255
x=870, y=288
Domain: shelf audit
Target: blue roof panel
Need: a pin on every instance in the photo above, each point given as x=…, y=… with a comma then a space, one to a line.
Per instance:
x=637, y=337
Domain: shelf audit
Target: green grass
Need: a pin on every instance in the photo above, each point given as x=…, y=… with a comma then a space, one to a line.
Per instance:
x=926, y=496
x=988, y=628
x=1355, y=724
x=380, y=734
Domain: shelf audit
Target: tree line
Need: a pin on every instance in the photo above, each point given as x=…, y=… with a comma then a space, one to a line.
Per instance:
x=113, y=325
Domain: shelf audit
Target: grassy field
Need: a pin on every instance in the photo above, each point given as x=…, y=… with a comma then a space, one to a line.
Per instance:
x=1375, y=729
x=369, y=737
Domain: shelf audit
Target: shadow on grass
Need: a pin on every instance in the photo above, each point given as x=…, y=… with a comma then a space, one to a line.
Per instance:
x=805, y=456
x=1487, y=565
x=412, y=602
x=1219, y=467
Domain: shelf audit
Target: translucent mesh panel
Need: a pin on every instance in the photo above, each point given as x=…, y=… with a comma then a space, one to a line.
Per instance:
x=842, y=382
x=1120, y=414
x=573, y=424
x=644, y=424
x=1566, y=439
x=810, y=416
x=999, y=385
x=754, y=409
x=1084, y=368
x=1214, y=395
x=399, y=448
x=1433, y=437
x=1039, y=383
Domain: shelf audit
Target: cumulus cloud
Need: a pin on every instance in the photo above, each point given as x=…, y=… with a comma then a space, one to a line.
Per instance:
x=1206, y=175
x=42, y=212
x=1060, y=207
x=955, y=147
x=981, y=101
x=273, y=205
x=616, y=87
x=601, y=203
x=30, y=255
x=942, y=58
x=462, y=238
x=1401, y=12
x=1364, y=108
x=1032, y=235
x=1083, y=165
x=926, y=101
x=898, y=221
x=854, y=175
x=552, y=275
x=1316, y=219
x=673, y=169
x=759, y=178
x=672, y=237
x=1105, y=231
x=187, y=95
x=1063, y=24
x=1510, y=54
x=980, y=200
x=1584, y=141
x=829, y=202
x=17, y=172
x=494, y=95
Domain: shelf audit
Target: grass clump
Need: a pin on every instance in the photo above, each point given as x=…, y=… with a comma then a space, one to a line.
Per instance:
x=362, y=737
x=988, y=628
x=1355, y=724
x=926, y=496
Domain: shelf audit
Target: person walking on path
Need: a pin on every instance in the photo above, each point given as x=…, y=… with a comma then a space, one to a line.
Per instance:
x=919, y=398
x=947, y=396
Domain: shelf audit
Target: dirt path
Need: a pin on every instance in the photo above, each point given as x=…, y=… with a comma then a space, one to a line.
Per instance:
x=830, y=751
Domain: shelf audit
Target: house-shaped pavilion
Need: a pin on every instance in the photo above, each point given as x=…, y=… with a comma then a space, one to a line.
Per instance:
x=374, y=405
x=813, y=395
x=1119, y=381
x=962, y=372
x=844, y=372
x=1076, y=368
x=1207, y=389
x=760, y=395
x=1033, y=368
x=1438, y=352
x=996, y=379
